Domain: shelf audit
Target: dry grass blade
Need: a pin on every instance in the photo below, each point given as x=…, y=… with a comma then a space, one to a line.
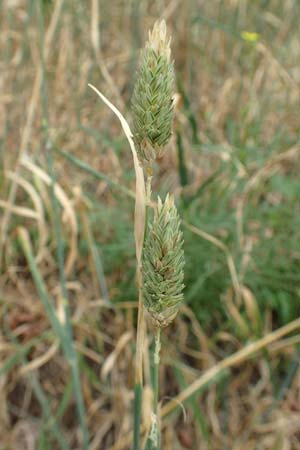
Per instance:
x=41, y=360
x=278, y=67
x=139, y=223
x=111, y=359
x=38, y=204
x=231, y=361
x=19, y=210
x=67, y=208
x=140, y=183
x=262, y=173
x=29, y=120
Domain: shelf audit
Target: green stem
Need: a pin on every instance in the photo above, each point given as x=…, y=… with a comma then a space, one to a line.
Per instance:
x=137, y=409
x=138, y=387
x=156, y=421
x=153, y=440
x=156, y=359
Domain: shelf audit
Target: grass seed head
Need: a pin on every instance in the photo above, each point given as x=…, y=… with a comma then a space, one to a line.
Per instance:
x=163, y=263
x=152, y=101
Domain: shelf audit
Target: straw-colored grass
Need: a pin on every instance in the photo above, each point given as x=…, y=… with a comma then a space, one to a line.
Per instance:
x=229, y=375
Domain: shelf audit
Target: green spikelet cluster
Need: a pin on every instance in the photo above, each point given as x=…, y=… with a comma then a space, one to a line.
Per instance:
x=152, y=104
x=163, y=262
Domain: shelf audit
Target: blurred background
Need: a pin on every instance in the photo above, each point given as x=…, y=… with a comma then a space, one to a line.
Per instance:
x=233, y=164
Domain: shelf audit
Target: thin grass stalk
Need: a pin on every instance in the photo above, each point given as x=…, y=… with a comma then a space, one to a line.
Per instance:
x=138, y=387
x=99, y=272
x=140, y=337
x=50, y=167
x=156, y=360
x=67, y=327
x=68, y=335
x=137, y=412
x=40, y=285
x=153, y=440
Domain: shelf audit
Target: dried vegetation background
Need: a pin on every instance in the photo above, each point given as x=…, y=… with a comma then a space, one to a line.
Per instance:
x=234, y=165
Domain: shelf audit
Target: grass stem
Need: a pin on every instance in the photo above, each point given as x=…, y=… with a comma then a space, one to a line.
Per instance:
x=137, y=409
x=153, y=439
x=140, y=340
x=156, y=361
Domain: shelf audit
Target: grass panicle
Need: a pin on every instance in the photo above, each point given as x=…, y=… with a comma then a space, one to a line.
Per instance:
x=152, y=101
x=163, y=264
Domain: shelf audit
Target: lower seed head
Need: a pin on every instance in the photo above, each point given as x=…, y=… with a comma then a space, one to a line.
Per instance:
x=163, y=263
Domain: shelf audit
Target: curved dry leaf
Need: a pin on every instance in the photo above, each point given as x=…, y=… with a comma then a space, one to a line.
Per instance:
x=38, y=204
x=111, y=360
x=19, y=210
x=68, y=209
x=41, y=360
x=140, y=183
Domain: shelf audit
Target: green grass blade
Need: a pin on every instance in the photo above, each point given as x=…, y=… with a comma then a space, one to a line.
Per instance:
x=59, y=328
x=98, y=175
x=199, y=417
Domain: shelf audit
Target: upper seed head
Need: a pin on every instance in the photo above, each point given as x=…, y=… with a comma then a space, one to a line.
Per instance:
x=152, y=103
